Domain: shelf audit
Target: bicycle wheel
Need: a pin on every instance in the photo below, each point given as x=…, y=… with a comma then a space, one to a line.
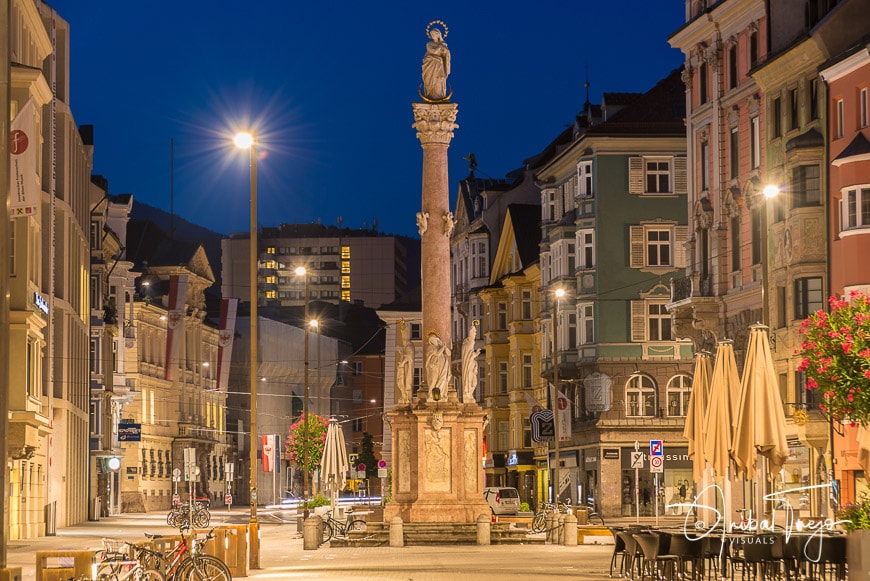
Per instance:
x=327, y=532
x=539, y=522
x=204, y=568
x=595, y=519
x=356, y=525
x=201, y=519
x=150, y=575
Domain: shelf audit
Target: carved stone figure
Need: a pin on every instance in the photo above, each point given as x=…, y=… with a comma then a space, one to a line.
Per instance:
x=469, y=364
x=437, y=365
x=404, y=363
x=422, y=222
x=436, y=63
x=449, y=223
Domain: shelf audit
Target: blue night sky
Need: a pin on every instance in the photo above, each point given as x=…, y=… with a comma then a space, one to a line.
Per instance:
x=329, y=86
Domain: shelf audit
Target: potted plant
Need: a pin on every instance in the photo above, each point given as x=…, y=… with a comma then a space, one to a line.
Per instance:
x=855, y=518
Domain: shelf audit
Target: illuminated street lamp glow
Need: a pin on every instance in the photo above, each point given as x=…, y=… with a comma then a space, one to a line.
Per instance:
x=771, y=191
x=243, y=140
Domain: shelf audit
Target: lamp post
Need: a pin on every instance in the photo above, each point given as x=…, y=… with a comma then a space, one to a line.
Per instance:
x=770, y=192
x=249, y=142
x=559, y=292
x=301, y=271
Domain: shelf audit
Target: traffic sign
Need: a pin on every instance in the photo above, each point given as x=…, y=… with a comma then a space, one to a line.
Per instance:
x=656, y=448
x=637, y=459
x=382, y=463
x=656, y=464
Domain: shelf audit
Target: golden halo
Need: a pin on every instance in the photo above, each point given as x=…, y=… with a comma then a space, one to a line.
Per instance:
x=433, y=332
x=434, y=22
x=428, y=100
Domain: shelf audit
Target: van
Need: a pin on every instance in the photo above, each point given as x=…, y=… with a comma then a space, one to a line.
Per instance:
x=502, y=500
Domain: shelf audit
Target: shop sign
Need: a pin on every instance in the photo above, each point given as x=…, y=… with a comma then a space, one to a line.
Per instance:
x=40, y=303
x=512, y=458
x=610, y=453
x=129, y=432
x=590, y=457
x=597, y=386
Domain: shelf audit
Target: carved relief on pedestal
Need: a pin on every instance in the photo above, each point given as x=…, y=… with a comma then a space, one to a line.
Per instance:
x=404, y=468
x=437, y=463
x=435, y=122
x=471, y=466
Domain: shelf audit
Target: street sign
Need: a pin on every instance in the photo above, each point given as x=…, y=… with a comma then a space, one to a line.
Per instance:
x=656, y=448
x=382, y=463
x=543, y=428
x=656, y=464
x=129, y=432
x=637, y=460
x=382, y=472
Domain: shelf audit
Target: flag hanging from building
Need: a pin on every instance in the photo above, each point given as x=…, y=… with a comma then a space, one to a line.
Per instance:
x=23, y=144
x=563, y=408
x=227, y=332
x=534, y=405
x=269, y=452
x=175, y=324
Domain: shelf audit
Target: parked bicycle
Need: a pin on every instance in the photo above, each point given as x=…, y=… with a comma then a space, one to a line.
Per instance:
x=184, y=561
x=333, y=527
x=539, y=521
x=180, y=516
x=116, y=565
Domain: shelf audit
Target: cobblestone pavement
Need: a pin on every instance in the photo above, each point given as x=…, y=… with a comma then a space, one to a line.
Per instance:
x=282, y=555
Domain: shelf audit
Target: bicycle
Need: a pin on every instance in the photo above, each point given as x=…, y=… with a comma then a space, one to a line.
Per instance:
x=114, y=565
x=183, y=562
x=179, y=516
x=334, y=527
x=539, y=521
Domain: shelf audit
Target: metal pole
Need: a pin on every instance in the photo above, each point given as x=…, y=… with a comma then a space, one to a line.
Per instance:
x=4, y=276
x=305, y=409
x=636, y=487
x=556, y=471
x=253, y=528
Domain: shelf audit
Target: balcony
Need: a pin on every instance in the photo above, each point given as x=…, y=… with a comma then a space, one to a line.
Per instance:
x=695, y=311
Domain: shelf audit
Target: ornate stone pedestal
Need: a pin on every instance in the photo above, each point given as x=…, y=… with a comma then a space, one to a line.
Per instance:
x=437, y=470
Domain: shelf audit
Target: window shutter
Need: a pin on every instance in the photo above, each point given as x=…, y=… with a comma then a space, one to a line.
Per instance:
x=636, y=258
x=844, y=220
x=635, y=175
x=680, y=234
x=638, y=321
x=681, y=183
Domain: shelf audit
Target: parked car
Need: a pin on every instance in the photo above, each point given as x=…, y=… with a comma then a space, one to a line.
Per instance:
x=502, y=500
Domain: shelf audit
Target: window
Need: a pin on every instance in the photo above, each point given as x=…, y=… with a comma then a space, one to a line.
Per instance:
x=755, y=143
x=807, y=296
x=658, y=174
x=586, y=246
x=526, y=305
x=584, y=179
x=753, y=48
x=793, y=109
x=781, y=315
x=357, y=367
x=705, y=166
x=813, y=98
x=501, y=323
x=357, y=425
x=756, y=235
x=527, y=433
x=640, y=396
x=862, y=108
x=572, y=330
x=587, y=323
x=702, y=83
x=270, y=294
x=502, y=377
x=29, y=366
x=658, y=322
x=855, y=209
x=418, y=378
x=345, y=252
x=805, y=186
x=95, y=235
x=735, y=243
x=416, y=333
x=776, y=117
x=678, y=390
x=732, y=66
x=95, y=355
x=840, y=121
x=548, y=206
x=734, y=152
x=527, y=370
x=658, y=247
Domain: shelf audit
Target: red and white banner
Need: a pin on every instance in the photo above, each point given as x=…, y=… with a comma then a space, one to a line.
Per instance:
x=23, y=145
x=563, y=408
x=227, y=332
x=269, y=452
x=175, y=324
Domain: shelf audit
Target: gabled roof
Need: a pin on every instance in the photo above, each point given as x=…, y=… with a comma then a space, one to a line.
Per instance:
x=149, y=246
x=859, y=147
x=472, y=187
x=520, y=237
x=659, y=110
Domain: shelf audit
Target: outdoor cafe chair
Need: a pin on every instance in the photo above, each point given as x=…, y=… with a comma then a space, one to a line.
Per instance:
x=826, y=556
x=655, y=561
x=618, y=551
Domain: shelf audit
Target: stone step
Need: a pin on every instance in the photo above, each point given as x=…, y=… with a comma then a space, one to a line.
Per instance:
x=378, y=535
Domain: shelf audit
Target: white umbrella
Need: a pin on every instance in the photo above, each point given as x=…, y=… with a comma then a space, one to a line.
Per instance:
x=334, y=464
x=695, y=424
x=724, y=390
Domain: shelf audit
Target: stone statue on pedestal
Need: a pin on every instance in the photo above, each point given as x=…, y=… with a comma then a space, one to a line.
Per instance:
x=469, y=364
x=404, y=363
x=437, y=366
x=436, y=63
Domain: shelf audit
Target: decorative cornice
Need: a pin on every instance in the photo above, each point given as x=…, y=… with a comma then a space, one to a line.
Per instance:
x=435, y=122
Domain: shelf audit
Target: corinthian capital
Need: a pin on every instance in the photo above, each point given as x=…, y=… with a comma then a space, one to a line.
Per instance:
x=435, y=122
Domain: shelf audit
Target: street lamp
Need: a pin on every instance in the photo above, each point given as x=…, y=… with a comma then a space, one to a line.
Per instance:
x=559, y=292
x=301, y=271
x=770, y=191
x=249, y=142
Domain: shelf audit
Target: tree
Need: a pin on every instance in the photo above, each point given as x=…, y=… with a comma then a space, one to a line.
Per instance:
x=295, y=444
x=367, y=456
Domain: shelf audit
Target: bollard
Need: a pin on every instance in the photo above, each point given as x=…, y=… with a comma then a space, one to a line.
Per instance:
x=484, y=529
x=549, y=530
x=559, y=537
x=570, y=531
x=397, y=532
x=312, y=533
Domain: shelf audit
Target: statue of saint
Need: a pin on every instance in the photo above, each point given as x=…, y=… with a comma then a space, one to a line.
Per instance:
x=404, y=363
x=436, y=63
x=469, y=364
x=437, y=365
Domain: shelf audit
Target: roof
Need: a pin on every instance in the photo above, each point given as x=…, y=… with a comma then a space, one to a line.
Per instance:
x=526, y=220
x=659, y=110
x=148, y=245
x=859, y=146
x=471, y=187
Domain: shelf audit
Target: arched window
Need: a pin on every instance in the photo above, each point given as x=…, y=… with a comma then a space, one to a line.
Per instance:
x=679, y=388
x=640, y=396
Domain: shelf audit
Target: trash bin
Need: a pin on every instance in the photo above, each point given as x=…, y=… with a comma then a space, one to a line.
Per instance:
x=50, y=514
x=96, y=508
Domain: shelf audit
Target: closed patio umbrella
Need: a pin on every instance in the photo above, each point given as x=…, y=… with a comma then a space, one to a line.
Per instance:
x=695, y=420
x=721, y=406
x=759, y=426
x=334, y=463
